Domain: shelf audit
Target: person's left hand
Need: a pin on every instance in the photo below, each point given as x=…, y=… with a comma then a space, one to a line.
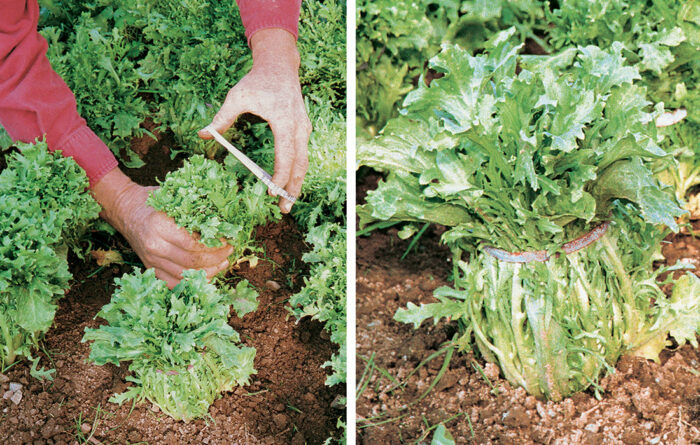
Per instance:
x=154, y=236
x=271, y=90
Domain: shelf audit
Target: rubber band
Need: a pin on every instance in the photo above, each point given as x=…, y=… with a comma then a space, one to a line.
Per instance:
x=542, y=255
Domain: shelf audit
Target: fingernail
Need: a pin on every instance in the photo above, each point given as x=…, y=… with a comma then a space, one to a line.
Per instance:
x=286, y=207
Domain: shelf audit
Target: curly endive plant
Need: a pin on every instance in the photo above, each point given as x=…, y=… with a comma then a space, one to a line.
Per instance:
x=526, y=153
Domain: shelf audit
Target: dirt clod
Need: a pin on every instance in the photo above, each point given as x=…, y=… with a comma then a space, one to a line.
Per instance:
x=516, y=417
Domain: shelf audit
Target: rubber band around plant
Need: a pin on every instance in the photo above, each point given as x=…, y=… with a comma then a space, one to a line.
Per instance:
x=542, y=255
x=173, y=372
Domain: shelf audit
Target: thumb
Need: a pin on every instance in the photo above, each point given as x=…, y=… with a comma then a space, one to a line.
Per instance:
x=224, y=119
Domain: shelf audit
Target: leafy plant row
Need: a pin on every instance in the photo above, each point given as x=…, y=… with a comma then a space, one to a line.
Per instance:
x=44, y=209
x=321, y=213
x=396, y=39
x=178, y=342
x=181, y=350
x=131, y=60
x=658, y=36
x=220, y=201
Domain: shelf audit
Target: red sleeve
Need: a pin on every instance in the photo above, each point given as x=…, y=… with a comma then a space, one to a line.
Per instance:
x=262, y=14
x=35, y=101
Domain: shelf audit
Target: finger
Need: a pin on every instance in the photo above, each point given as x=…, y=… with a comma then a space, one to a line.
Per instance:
x=166, y=267
x=179, y=237
x=213, y=271
x=194, y=260
x=170, y=280
x=174, y=269
x=173, y=272
x=284, y=154
x=226, y=116
x=299, y=169
x=191, y=244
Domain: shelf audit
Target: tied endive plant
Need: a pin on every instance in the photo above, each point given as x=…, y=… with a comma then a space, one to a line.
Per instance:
x=555, y=327
x=526, y=153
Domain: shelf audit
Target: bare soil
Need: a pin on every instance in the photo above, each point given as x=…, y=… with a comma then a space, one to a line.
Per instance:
x=287, y=401
x=643, y=402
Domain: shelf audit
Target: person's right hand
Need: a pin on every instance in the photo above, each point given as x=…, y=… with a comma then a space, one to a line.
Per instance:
x=153, y=235
x=271, y=90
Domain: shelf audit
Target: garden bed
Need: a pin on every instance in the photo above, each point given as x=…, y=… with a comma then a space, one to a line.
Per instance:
x=287, y=401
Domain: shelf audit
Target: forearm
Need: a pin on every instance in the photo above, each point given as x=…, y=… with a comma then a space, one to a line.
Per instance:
x=34, y=100
x=112, y=192
x=258, y=15
x=274, y=46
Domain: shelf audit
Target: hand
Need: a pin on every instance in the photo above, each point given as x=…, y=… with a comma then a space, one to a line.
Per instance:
x=153, y=235
x=271, y=90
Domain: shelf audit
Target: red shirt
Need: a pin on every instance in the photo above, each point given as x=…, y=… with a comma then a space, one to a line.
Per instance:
x=35, y=101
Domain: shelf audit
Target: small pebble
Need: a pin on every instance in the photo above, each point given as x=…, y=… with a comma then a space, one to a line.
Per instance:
x=280, y=420
x=155, y=408
x=4, y=378
x=7, y=394
x=461, y=395
x=16, y=397
x=592, y=427
x=85, y=428
x=491, y=371
x=540, y=410
x=15, y=386
x=530, y=402
x=272, y=285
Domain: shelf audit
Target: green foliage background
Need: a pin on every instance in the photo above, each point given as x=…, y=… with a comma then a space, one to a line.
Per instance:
x=128, y=60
